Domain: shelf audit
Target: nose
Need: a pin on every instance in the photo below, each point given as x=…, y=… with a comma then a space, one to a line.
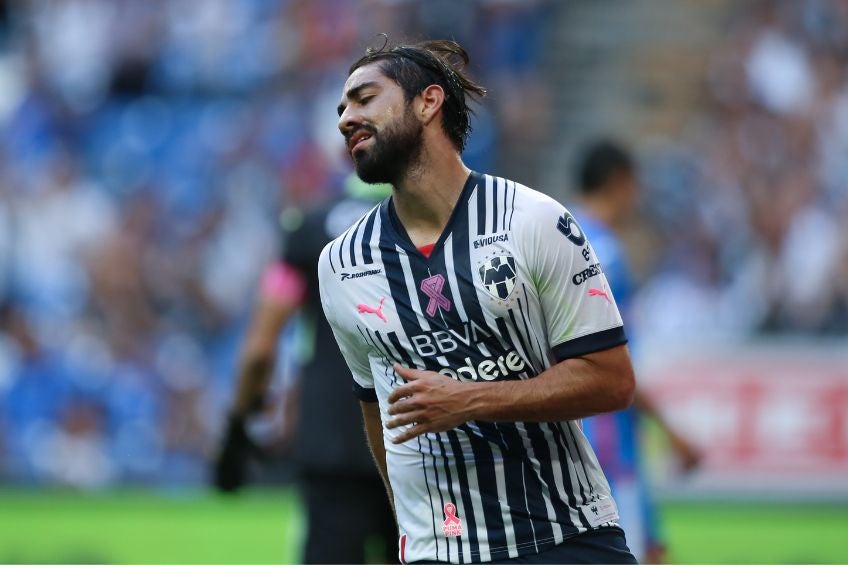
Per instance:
x=349, y=121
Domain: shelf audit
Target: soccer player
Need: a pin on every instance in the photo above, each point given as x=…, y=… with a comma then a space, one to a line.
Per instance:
x=479, y=329
x=608, y=187
x=348, y=516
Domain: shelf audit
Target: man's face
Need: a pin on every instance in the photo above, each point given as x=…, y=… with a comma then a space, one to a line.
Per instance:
x=382, y=133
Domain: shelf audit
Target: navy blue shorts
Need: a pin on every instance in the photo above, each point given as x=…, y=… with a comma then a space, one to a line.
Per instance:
x=604, y=545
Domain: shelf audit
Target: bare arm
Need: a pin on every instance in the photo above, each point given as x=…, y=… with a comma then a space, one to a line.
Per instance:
x=572, y=389
x=259, y=354
x=374, y=433
x=689, y=455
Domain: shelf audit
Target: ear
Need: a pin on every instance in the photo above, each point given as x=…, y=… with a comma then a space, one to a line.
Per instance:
x=429, y=103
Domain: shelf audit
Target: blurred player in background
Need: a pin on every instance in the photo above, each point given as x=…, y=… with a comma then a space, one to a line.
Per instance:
x=472, y=352
x=608, y=186
x=344, y=495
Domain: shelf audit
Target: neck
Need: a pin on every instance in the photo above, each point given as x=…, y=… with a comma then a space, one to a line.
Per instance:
x=427, y=194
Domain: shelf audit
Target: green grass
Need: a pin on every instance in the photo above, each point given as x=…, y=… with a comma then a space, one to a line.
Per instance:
x=712, y=532
x=267, y=526
x=149, y=527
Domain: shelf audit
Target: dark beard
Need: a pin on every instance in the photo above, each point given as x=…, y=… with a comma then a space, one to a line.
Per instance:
x=393, y=151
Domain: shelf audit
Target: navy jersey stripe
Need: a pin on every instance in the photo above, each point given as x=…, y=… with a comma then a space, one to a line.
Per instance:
x=352, y=247
x=366, y=335
x=571, y=469
x=485, y=467
x=526, y=354
x=528, y=329
x=526, y=498
x=396, y=280
x=390, y=355
x=481, y=207
x=563, y=461
x=385, y=353
x=405, y=359
x=512, y=207
x=515, y=487
x=496, y=185
x=341, y=248
x=504, y=193
x=542, y=449
x=373, y=338
x=368, y=232
x=582, y=463
x=570, y=460
x=330, y=255
x=465, y=493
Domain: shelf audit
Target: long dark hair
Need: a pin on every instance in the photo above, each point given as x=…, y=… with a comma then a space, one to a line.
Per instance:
x=415, y=67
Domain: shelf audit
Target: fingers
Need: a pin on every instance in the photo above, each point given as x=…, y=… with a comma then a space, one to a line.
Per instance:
x=400, y=393
x=408, y=416
x=401, y=406
x=411, y=433
x=411, y=417
x=406, y=373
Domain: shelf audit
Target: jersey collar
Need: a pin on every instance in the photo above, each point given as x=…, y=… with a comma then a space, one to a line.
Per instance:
x=391, y=220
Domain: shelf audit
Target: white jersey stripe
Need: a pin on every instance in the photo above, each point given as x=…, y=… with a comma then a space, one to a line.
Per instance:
x=489, y=226
x=436, y=535
x=452, y=282
x=500, y=189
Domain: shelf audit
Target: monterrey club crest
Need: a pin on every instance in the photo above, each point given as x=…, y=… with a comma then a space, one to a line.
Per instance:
x=498, y=275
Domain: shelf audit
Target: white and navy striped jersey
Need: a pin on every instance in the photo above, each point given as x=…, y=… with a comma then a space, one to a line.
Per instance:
x=510, y=287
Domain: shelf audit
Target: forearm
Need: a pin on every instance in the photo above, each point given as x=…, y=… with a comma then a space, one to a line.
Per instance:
x=575, y=388
x=259, y=355
x=254, y=377
x=374, y=434
x=572, y=389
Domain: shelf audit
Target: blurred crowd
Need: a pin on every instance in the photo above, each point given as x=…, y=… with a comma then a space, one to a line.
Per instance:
x=146, y=150
x=750, y=205
x=148, y=146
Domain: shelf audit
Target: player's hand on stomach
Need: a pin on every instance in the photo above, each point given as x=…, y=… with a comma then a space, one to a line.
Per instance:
x=430, y=401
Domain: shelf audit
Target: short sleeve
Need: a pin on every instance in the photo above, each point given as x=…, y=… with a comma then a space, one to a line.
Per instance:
x=577, y=302
x=347, y=338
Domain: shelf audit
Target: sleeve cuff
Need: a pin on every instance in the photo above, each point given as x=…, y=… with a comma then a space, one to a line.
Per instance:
x=590, y=343
x=364, y=394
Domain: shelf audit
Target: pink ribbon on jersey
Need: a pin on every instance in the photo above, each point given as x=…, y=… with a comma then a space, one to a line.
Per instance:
x=432, y=287
x=450, y=514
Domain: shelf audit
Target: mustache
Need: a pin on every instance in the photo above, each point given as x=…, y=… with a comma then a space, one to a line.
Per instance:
x=367, y=127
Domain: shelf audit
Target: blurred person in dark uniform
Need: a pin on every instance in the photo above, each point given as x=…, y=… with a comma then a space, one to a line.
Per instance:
x=346, y=502
x=608, y=189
